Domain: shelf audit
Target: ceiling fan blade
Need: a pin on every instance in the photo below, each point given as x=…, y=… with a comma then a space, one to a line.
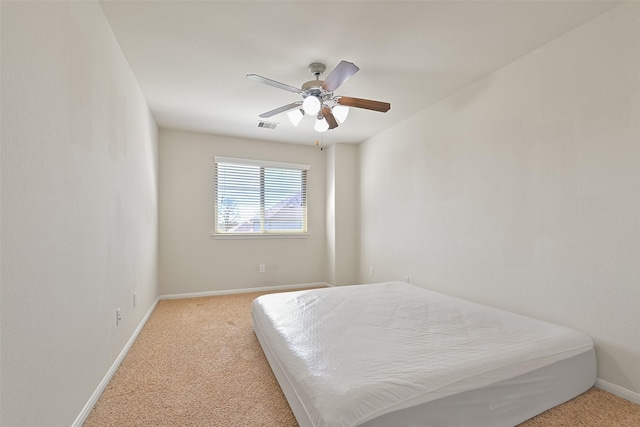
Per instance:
x=328, y=116
x=274, y=83
x=367, y=104
x=339, y=75
x=281, y=109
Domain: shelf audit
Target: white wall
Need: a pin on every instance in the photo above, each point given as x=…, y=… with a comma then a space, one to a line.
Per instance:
x=79, y=208
x=522, y=191
x=190, y=259
x=342, y=214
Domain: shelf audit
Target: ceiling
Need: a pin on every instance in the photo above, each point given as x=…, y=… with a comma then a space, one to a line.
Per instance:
x=191, y=57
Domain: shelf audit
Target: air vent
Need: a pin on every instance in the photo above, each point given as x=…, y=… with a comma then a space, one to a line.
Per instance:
x=267, y=125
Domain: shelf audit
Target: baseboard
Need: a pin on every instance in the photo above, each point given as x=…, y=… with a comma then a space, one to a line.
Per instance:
x=82, y=417
x=244, y=290
x=103, y=384
x=618, y=391
x=602, y=384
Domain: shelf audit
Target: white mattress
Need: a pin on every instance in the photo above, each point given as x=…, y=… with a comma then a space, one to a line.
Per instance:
x=352, y=355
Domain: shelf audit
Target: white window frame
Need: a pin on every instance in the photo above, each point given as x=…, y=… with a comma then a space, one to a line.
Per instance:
x=264, y=233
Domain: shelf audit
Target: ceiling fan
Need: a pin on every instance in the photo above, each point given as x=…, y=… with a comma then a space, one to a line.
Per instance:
x=318, y=97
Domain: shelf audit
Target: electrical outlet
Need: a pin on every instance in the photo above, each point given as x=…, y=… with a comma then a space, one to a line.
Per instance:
x=406, y=279
x=135, y=302
x=118, y=316
x=371, y=270
x=262, y=268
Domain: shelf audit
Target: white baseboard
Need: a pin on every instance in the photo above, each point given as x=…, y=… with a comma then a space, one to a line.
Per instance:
x=602, y=384
x=103, y=384
x=82, y=417
x=243, y=291
x=618, y=391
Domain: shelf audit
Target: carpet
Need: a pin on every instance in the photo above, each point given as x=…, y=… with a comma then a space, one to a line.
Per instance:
x=197, y=362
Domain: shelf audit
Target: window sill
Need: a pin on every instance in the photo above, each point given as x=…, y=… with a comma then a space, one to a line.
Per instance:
x=260, y=236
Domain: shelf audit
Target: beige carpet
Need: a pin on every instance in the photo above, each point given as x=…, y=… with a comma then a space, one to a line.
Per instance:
x=197, y=362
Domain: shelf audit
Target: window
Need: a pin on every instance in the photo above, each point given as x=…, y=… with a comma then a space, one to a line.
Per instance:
x=254, y=197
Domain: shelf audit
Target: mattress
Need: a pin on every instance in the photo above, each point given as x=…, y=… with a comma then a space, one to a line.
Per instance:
x=397, y=354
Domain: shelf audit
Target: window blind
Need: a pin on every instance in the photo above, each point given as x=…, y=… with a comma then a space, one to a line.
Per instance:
x=259, y=197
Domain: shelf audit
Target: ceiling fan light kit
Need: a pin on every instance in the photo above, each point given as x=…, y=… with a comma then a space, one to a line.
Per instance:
x=311, y=105
x=321, y=124
x=295, y=116
x=319, y=99
x=340, y=112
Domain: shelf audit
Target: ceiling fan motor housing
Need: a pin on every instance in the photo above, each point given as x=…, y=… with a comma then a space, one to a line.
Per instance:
x=314, y=87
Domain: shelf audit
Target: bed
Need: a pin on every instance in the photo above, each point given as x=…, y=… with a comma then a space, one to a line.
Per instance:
x=394, y=354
